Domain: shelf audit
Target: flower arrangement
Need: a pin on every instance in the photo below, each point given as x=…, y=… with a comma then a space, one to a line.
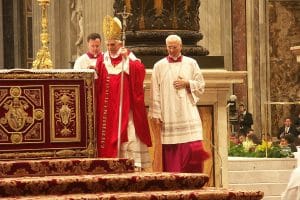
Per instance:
x=265, y=149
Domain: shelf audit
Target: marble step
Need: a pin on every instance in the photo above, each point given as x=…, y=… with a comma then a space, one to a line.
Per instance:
x=98, y=183
x=259, y=176
x=70, y=166
x=269, y=189
x=205, y=193
x=246, y=164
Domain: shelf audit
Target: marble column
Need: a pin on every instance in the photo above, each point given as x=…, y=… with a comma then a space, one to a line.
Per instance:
x=215, y=24
x=249, y=27
x=260, y=71
x=239, y=46
x=93, y=15
x=256, y=40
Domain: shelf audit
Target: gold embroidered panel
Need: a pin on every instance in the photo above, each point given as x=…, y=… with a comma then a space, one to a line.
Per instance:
x=46, y=113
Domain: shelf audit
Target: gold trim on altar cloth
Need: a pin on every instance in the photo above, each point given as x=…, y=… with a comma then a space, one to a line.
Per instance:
x=55, y=113
x=22, y=114
x=64, y=116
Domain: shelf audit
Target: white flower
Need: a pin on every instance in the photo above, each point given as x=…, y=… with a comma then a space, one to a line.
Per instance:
x=248, y=144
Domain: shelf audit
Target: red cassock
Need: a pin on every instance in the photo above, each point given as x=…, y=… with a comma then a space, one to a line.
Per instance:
x=108, y=101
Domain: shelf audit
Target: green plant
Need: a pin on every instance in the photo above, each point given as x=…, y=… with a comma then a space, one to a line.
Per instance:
x=266, y=149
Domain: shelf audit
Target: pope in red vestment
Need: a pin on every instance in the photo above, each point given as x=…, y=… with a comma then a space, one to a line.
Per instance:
x=134, y=135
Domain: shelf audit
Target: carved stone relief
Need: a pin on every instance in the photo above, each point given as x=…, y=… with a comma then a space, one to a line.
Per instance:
x=77, y=24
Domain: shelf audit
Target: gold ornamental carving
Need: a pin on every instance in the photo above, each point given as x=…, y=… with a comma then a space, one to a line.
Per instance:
x=57, y=108
x=43, y=58
x=65, y=113
x=65, y=117
x=20, y=115
x=16, y=115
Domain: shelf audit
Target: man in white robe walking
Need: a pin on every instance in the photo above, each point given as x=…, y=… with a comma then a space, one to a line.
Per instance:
x=176, y=86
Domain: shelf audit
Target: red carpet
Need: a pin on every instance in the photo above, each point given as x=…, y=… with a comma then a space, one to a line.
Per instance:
x=104, y=179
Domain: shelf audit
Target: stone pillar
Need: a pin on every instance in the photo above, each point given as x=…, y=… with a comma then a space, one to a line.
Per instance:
x=239, y=45
x=215, y=24
x=17, y=30
x=36, y=21
x=249, y=29
x=151, y=23
x=256, y=63
x=260, y=75
x=94, y=12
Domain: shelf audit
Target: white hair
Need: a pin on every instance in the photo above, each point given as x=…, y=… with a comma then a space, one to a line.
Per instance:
x=117, y=41
x=173, y=38
x=232, y=97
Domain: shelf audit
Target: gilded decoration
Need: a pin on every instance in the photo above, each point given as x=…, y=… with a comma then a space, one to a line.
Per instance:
x=65, y=119
x=42, y=110
x=74, y=166
x=18, y=114
x=34, y=133
x=105, y=178
x=43, y=58
x=33, y=95
x=112, y=28
x=3, y=93
x=3, y=136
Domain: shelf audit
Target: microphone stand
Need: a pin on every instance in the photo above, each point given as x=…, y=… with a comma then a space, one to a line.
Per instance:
x=124, y=15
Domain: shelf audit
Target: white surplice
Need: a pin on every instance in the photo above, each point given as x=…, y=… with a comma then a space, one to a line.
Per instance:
x=177, y=109
x=84, y=62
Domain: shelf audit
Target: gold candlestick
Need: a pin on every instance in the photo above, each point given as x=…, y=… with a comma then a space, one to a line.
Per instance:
x=43, y=58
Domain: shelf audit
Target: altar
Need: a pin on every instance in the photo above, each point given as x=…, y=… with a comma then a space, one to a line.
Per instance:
x=49, y=114
x=46, y=114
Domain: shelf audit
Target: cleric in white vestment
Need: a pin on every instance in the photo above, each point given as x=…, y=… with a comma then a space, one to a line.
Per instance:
x=176, y=86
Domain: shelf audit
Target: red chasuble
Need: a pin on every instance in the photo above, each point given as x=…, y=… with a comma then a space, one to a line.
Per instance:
x=108, y=100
